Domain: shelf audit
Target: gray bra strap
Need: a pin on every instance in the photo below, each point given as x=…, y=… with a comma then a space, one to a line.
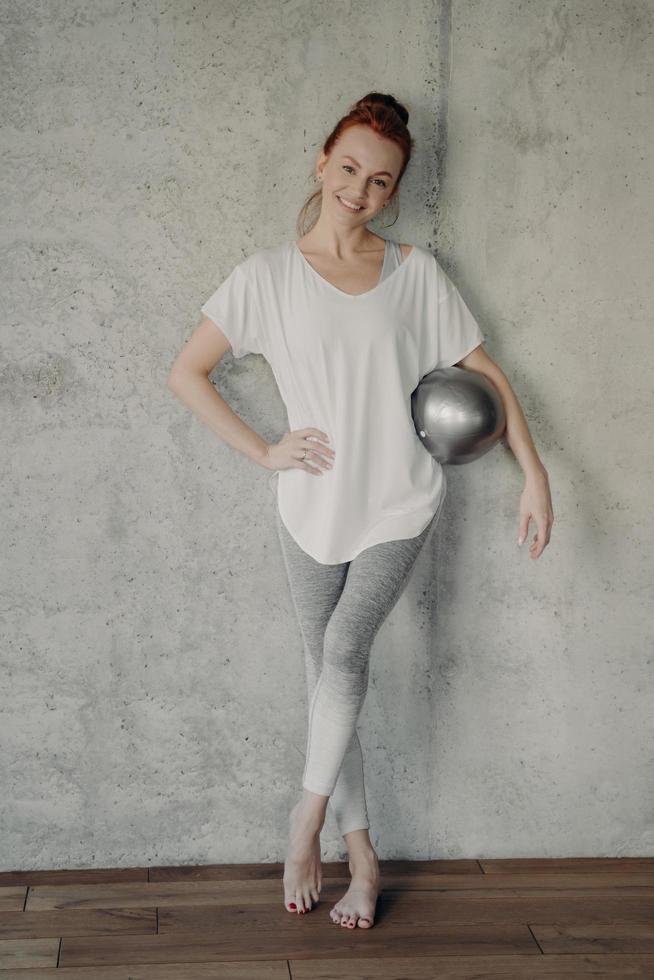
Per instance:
x=392, y=258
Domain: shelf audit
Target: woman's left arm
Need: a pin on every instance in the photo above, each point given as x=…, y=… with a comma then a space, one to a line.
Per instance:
x=535, y=502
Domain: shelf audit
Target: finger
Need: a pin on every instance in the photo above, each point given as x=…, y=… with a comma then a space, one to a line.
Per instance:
x=318, y=433
x=543, y=530
x=539, y=539
x=314, y=456
x=315, y=452
x=318, y=447
x=303, y=464
x=524, y=528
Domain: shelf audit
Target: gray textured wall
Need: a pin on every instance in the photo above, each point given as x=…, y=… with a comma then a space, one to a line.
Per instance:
x=153, y=702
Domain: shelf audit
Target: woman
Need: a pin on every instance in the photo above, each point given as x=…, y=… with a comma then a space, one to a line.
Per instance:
x=349, y=323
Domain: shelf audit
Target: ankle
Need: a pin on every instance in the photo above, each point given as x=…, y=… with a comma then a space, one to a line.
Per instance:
x=358, y=843
x=363, y=859
x=311, y=810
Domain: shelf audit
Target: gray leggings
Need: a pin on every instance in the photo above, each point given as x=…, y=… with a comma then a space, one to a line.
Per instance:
x=340, y=609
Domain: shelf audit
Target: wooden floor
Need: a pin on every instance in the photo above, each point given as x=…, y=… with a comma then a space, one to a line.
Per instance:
x=507, y=919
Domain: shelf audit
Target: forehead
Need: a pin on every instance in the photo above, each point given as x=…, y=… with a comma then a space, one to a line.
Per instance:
x=371, y=150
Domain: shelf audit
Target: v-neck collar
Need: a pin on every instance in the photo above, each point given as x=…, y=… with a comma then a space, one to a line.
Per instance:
x=330, y=285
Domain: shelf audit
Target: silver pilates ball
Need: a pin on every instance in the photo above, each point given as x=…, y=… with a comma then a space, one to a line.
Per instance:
x=458, y=414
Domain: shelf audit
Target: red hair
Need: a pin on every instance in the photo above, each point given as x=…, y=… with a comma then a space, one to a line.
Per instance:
x=385, y=116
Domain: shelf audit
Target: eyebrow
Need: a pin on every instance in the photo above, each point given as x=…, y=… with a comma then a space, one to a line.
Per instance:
x=374, y=175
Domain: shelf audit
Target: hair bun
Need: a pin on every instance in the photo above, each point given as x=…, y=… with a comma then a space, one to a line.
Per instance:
x=379, y=98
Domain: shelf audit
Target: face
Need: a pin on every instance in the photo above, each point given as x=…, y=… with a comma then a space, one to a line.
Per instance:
x=362, y=169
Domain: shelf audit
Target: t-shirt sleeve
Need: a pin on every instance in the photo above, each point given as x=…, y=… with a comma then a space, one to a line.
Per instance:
x=459, y=331
x=452, y=330
x=233, y=308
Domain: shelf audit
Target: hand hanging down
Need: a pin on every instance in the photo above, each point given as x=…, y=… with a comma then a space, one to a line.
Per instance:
x=536, y=504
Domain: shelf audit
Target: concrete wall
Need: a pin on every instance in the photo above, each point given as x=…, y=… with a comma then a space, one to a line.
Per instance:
x=153, y=698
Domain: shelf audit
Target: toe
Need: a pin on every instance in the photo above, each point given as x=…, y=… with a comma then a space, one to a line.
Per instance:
x=365, y=922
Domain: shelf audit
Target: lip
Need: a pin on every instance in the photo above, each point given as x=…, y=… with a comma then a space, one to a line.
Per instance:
x=345, y=207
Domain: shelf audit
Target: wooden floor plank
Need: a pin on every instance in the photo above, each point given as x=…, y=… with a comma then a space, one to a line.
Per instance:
x=277, y=970
x=570, y=865
x=585, y=936
x=296, y=938
x=483, y=967
x=65, y=876
x=266, y=891
x=19, y=954
x=78, y=922
x=12, y=899
x=613, y=967
x=616, y=967
x=403, y=907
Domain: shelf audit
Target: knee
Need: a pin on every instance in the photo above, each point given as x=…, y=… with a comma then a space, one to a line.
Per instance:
x=346, y=649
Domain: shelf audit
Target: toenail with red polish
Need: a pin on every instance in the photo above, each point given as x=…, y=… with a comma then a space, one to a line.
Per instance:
x=292, y=905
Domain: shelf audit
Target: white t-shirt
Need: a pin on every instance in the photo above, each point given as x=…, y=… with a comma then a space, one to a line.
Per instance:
x=347, y=365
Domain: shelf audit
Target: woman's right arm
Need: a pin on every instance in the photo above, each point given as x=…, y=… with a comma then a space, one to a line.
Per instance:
x=189, y=380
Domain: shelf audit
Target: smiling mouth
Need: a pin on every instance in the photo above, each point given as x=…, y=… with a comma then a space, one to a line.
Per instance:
x=348, y=205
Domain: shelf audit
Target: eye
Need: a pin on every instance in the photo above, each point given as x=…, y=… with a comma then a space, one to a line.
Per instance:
x=346, y=166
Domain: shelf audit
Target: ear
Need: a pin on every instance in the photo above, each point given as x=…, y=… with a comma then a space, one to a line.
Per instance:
x=322, y=160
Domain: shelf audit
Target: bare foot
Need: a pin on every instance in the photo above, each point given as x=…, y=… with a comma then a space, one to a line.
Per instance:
x=302, y=868
x=357, y=907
